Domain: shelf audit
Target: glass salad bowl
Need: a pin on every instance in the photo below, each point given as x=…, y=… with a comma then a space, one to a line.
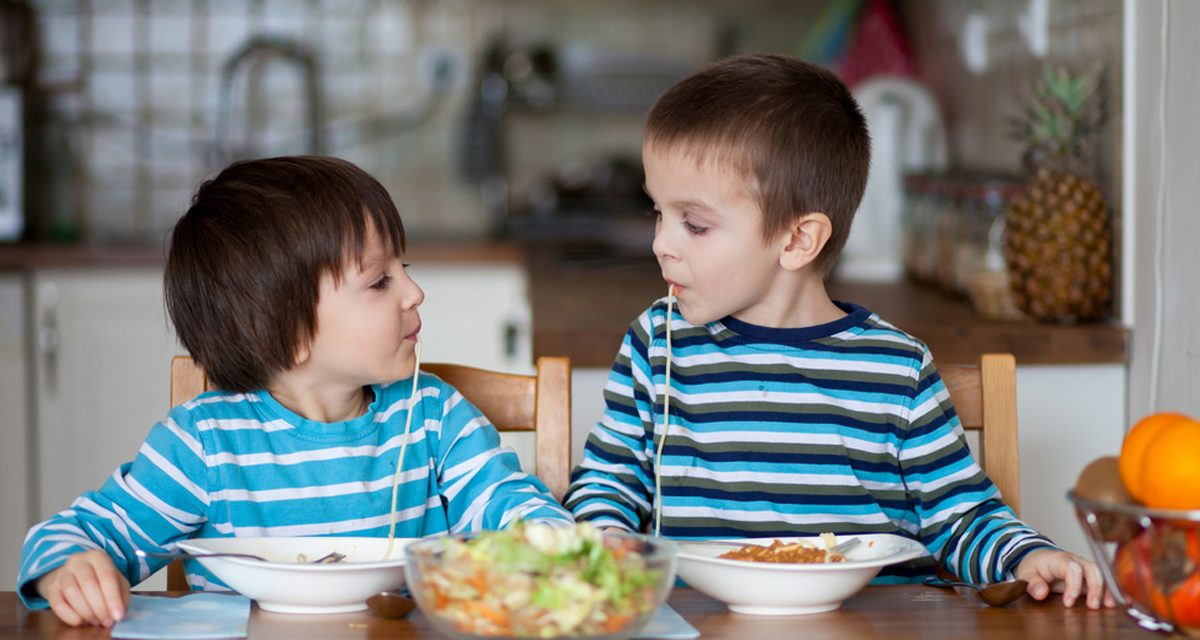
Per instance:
x=1150, y=559
x=539, y=581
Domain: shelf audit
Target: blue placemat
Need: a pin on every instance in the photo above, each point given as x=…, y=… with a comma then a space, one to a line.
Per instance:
x=667, y=624
x=192, y=617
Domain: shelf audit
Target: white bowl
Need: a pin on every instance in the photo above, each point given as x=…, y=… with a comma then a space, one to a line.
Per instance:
x=789, y=589
x=285, y=584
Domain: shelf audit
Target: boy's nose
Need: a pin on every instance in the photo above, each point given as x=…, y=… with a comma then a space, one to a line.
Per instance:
x=661, y=247
x=412, y=295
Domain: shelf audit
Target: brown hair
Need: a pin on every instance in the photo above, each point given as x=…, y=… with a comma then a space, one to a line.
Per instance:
x=246, y=260
x=790, y=127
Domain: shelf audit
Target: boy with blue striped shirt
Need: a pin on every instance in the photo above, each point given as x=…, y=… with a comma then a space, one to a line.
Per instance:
x=285, y=282
x=786, y=413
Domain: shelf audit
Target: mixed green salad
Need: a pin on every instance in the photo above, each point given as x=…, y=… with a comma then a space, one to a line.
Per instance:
x=539, y=581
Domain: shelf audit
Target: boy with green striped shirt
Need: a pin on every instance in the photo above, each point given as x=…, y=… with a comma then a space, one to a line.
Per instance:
x=748, y=403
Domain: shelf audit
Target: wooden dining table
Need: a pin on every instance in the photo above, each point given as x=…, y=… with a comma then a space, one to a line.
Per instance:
x=892, y=612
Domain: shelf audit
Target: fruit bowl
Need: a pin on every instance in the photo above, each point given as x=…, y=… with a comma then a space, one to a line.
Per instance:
x=540, y=581
x=1150, y=559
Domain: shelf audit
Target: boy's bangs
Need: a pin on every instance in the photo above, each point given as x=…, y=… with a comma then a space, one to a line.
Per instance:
x=717, y=150
x=387, y=225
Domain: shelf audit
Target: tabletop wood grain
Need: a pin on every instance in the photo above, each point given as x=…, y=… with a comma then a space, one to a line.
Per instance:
x=876, y=612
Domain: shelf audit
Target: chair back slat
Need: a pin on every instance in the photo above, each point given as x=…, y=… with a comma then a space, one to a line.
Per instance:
x=508, y=400
x=985, y=398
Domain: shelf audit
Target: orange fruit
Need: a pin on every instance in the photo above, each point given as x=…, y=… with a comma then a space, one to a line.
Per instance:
x=1133, y=449
x=1170, y=476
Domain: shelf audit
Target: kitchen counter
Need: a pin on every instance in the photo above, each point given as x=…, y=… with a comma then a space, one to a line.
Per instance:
x=582, y=310
x=20, y=257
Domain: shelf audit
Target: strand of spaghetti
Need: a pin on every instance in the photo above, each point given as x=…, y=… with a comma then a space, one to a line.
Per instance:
x=666, y=421
x=412, y=406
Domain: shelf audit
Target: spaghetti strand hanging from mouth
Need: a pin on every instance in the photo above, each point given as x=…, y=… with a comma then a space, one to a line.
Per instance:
x=666, y=421
x=412, y=401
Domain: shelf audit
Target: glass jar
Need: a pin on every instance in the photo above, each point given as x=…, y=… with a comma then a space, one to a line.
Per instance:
x=949, y=219
x=926, y=229
x=913, y=237
x=984, y=269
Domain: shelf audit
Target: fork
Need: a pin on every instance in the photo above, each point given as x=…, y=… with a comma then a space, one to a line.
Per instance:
x=329, y=558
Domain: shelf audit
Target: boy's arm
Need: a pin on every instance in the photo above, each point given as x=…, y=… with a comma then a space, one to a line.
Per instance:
x=483, y=486
x=614, y=484
x=145, y=504
x=961, y=518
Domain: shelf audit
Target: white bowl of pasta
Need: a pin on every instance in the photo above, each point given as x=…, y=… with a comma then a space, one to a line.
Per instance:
x=812, y=585
x=289, y=582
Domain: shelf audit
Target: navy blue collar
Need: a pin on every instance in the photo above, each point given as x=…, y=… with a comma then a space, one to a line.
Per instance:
x=855, y=315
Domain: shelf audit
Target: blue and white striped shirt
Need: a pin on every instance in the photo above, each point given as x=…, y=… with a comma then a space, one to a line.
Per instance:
x=227, y=464
x=844, y=427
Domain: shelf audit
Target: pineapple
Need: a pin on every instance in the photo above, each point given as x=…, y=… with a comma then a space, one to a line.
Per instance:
x=1058, y=236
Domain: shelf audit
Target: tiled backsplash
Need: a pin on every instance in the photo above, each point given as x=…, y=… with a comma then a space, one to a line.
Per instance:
x=134, y=85
x=977, y=105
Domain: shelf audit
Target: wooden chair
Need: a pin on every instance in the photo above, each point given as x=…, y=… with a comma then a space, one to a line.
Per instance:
x=985, y=397
x=540, y=403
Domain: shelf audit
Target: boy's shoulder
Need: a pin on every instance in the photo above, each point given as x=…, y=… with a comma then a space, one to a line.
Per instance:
x=873, y=327
x=216, y=404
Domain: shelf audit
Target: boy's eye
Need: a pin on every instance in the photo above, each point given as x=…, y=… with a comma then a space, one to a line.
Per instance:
x=381, y=283
x=654, y=213
x=693, y=229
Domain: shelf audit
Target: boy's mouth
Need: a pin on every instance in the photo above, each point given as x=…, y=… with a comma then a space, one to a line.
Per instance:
x=413, y=335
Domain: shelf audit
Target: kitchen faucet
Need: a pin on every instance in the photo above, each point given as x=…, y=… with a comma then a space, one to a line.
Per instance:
x=258, y=49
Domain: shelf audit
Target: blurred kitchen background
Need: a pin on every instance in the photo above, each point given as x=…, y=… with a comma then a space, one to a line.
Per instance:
x=508, y=132
x=480, y=116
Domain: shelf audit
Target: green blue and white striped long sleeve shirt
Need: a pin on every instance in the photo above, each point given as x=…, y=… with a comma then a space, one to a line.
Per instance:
x=227, y=464
x=844, y=427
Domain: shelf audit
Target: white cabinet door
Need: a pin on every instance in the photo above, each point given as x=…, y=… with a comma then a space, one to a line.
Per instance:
x=14, y=425
x=478, y=314
x=475, y=314
x=102, y=363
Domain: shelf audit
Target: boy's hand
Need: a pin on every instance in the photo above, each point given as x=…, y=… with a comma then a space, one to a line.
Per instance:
x=1049, y=570
x=88, y=589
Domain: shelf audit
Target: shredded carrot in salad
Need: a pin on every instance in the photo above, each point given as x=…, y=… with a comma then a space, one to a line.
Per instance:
x=538, y=581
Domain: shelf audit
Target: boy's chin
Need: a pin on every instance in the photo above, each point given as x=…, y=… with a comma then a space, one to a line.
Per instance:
x=402, y=371
x=694, y=318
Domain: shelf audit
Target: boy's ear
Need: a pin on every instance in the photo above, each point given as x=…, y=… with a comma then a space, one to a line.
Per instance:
x=804, y=240
x=301, y=354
